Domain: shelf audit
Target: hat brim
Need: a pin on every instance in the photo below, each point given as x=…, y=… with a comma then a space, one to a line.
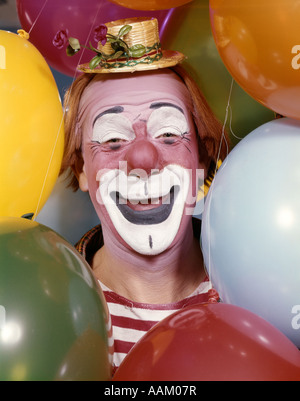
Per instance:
x=170, y=59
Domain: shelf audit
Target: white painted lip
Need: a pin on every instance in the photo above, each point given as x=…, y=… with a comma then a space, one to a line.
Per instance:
x=138, y=190
x=133, y=189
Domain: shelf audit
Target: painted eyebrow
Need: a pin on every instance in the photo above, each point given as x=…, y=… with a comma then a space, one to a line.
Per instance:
x=113, y=110
x=161, y=104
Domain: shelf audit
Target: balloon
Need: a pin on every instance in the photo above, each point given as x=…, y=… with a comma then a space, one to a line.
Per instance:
x=259, y=44
x=189, y=31
x=79, y=19
x=150, y=4
x=214, y=342
x=54, y=316
x=31, y=131
x=251, y=231
x=70, y=222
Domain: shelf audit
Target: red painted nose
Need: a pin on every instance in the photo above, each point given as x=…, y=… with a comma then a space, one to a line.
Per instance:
x=142, y=155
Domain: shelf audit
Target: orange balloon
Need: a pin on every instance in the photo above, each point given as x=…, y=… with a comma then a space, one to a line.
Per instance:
x=259, y=43
x=150, y=5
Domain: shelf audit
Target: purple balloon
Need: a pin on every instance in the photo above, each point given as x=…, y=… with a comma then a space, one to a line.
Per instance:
x=79, y=18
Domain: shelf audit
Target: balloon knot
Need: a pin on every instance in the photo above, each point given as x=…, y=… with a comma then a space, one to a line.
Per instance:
x=213, y=296
x=23, y=34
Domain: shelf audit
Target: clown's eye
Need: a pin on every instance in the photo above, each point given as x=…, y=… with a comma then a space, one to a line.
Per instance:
x=113, y=137
x=168, y=138
x=113, y=129
x=167, y=123
x=168, y=135
x=115, y=140
x=165, y=135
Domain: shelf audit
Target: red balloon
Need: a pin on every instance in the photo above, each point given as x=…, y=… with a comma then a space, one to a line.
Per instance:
x=215, y=342
x=79, y=18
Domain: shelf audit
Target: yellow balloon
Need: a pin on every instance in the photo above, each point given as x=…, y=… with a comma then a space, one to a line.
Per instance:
x=31, y=127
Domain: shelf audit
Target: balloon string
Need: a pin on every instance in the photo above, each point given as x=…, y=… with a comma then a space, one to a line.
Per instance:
x=64, y=112
x=229, y=109
x=49, y=165
x=37, y=18
x=223, y=138
x=44, y=183
x=82, y=53
x=89, y=34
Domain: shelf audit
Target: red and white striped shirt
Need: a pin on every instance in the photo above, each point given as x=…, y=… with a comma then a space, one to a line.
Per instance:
x=131, y=320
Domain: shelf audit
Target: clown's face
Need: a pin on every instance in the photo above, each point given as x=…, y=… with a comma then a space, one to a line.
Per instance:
x=141, y=160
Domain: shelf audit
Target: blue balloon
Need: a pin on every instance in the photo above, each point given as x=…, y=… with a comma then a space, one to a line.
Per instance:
x=251, y=226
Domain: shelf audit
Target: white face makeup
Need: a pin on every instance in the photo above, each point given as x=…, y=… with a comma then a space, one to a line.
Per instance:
x=112, y=126
x=140, y=157
x=167, y=120
x=144, y=230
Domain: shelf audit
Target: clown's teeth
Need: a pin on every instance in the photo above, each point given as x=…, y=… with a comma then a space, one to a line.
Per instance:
x=148, y=201
x=134, y=196
x=155, y=201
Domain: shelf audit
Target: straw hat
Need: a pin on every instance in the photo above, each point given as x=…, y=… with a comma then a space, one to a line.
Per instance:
x=136, y=47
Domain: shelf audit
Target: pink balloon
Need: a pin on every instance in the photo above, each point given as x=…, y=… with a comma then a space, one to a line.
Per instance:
x=80, y=18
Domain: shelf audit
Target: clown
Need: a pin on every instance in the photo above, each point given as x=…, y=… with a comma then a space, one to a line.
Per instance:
x=139, y=138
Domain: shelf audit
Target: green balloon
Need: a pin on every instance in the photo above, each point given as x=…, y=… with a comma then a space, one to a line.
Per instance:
x=53, y=315
x=189, y=31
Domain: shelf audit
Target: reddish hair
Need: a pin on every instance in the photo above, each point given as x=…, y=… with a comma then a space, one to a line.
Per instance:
x=212, y=139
